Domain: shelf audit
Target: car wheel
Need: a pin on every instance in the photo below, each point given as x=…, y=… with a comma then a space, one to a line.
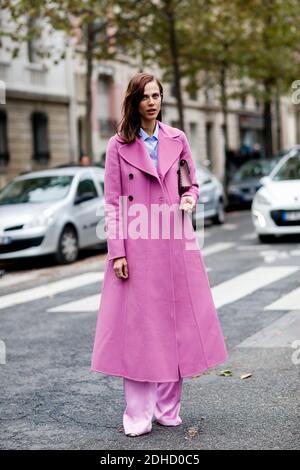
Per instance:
x=265, y=238
x=219, y=218
x=67, y=249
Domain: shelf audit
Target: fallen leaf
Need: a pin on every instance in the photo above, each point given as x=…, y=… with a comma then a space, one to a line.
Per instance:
x=225, y=373
x=192, y=432
x=246, y=376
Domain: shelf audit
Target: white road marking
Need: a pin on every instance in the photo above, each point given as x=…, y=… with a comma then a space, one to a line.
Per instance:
x=216, y=248
x=248, y=282
x=249, y=236
x=86, y=304
x=223, y=294
x=228, y=226
x=11, y=279
x=290, y=301
x=280, y=334
x=47, y=290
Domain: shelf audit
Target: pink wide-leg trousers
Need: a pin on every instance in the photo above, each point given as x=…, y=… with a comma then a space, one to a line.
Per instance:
x=147, y=399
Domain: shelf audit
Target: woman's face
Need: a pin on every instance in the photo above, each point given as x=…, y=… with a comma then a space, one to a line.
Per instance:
x=150, y=104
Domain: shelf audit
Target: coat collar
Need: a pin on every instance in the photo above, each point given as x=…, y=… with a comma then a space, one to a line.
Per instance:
x=169, y=149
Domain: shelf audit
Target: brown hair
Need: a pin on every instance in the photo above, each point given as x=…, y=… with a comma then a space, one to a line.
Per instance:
x=130, y=123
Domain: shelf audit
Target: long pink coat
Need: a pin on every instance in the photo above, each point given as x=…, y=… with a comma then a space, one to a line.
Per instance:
x=161, y=321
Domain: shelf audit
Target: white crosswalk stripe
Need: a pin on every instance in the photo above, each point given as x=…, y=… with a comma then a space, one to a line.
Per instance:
x=216, y=248
x=280, y=334
x=248, y=282
x=290, y=301
x=249, y=236
x=223, y=294
x=86, y=304
x=228, y=226
x=10, y=280
x=28, y=295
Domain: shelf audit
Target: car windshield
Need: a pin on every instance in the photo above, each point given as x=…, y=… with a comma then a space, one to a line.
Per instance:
x=36, y=190
x=256, y=169
x=290, y=170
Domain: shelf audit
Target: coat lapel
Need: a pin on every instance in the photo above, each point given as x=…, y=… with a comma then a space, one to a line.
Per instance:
x=169, y=149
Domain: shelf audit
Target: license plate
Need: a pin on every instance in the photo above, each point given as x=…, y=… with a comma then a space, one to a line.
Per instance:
x=291, y=215
x=5, y=240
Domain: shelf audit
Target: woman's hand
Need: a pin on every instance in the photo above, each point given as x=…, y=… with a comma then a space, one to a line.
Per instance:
x=121, y=268
x=187, y=203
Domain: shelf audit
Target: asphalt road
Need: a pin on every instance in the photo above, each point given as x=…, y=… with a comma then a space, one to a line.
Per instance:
x=51, y=400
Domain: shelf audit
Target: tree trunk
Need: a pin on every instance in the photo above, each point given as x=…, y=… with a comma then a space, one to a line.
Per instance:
x=175, y=62
x=225, y=119
x=88, y=92
x=267, y=114
x=278, y=122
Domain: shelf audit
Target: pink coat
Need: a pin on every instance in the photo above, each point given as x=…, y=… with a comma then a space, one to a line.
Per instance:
x=161, y=321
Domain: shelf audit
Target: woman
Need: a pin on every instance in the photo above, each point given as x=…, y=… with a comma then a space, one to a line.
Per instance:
x=157, y=322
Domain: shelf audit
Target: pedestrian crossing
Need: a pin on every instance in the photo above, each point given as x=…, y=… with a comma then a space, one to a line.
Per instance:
x=86, y=304
x=217, y=248
x=49, y=290
x=223, y=294
x=249, y=282
x=280, y=334
x=290, y=301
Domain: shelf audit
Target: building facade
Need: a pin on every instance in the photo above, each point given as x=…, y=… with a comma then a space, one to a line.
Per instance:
x=42, y=120
x=37, y=127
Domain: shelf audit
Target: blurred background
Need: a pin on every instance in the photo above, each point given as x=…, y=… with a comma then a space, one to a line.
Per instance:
x=227, y=69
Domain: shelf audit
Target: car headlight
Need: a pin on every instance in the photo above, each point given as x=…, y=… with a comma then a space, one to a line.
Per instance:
x=262, y=199
x=44, y=219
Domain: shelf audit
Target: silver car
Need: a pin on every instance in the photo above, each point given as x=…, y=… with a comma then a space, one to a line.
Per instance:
x=56, y=211
x=211, y=198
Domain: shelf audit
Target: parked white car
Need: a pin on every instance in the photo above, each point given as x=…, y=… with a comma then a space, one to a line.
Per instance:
x=53, y=211
x=276, y=205
x=211, y=198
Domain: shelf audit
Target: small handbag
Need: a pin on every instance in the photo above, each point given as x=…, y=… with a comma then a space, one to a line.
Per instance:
x=184, y=178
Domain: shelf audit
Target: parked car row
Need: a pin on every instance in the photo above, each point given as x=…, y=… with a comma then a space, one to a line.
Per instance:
x=246, y=181
x=211, y=202
x=276, y=205
x=57, y=211
x=53, y=211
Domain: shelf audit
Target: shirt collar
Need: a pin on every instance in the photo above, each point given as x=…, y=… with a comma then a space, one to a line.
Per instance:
x=145, y=136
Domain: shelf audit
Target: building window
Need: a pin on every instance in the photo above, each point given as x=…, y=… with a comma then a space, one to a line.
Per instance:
x=175, y=124
x=34, y=41
x=209, y=95
x=4, y=155
x=193, y=95
x=193, y=136
x=208, y=134
x=243, y=100
x=107, y=125
x=172, y=90
x=39, y=123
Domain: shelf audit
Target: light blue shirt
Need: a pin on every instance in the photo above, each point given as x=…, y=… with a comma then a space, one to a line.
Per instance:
x=151, y=143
